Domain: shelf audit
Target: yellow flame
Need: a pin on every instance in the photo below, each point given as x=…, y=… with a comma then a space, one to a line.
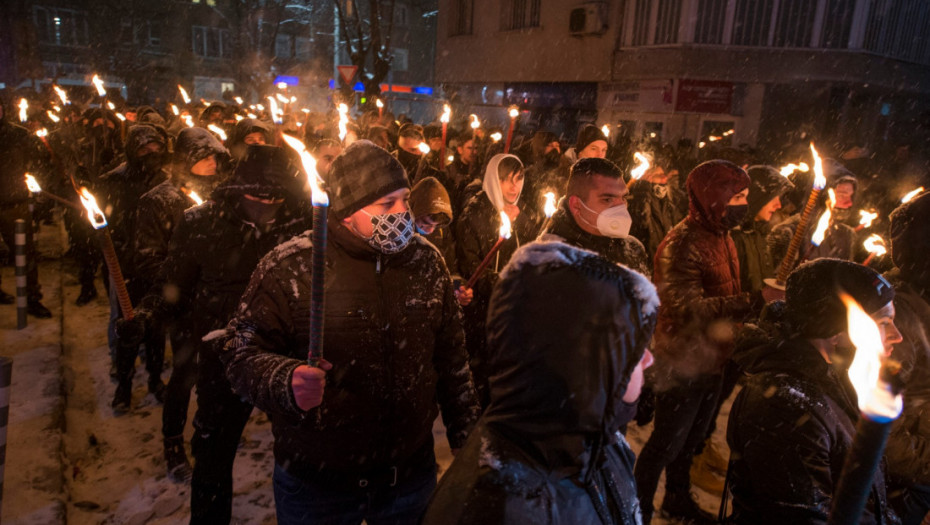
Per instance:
x=188, y=120
x=379, y=103
x=61, y=94
x=701, y=144
x=343, y=120
x=281, y=98
x=505, y=226
x=729, y=132
x=317, y=195
x=238, y=100
x=514, y=112
x=281, y=85
x=293, y=99
x=712, y=138
x=874, y=396
x=218, y=130
x=23, y=110
x=305, y=110
x=174, y=109
x=866, y=218
x=475, y=123
x=423, y=147
x=273, y=107
x=450, y=159
x=821, y=231
x=875, y=244
x=111, y=106
x=99, y=85
x=605, y=129
x=549, y=207
x=260, y=107
x=496, y=136
x=94, y=213
x=41, y=132
x=184, y=96
x=194, y=197
x=251, y=115
x=53, y=116
x=831, y=199
x=788, y=169
x=121, y=116
x=446, y=114
x=640, y=168
x=911, y=195
x=32, y=184
x=240, y=117
x=819, y=180
x=57, y=108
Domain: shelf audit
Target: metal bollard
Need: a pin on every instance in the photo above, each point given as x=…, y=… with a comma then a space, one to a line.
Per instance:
x=6, y=380
x=20, y=238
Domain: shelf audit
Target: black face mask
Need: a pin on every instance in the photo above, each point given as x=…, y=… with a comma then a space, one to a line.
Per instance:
x=151, y=163
x=627, y=412
x=734, y=215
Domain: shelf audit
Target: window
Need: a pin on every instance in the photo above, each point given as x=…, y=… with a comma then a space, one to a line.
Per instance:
x=838, y=23
x=711, y=17
x=400, y=60
x=401, y=15
x=795, y=23
x=302, y=48
x=752, y=22
x=667, y=19
x=462, y=11
x=210, y=42
x=155, y=30
x=282, y=46
x=61, y=27
x=519, y=14
x=641, y=23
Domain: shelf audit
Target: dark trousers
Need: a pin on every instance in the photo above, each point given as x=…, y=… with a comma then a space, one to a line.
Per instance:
x=8, y=216
x=183, y=378
x=218, y=424
x=83, y=246
x=911, y=503
x=154, y=340
x=683, y=414
x=300, y=502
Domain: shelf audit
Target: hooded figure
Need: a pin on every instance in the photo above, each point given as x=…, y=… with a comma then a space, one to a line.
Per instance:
x=239, y=139
x=908, y=450
x=546, y=450
x=697, y=274
x=755, y=264
x=792, y=424
x=477, y=230
x=429, y=201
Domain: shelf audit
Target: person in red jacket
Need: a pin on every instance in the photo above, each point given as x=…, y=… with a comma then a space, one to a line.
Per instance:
x=697, y=275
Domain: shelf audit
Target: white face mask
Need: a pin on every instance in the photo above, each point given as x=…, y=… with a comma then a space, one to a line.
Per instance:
x=613, y=222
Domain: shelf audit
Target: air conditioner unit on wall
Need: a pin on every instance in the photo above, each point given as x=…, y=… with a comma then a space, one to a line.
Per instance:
x=589, y=18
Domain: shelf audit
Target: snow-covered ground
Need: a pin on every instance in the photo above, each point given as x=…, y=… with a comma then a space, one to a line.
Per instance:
x=70, y=460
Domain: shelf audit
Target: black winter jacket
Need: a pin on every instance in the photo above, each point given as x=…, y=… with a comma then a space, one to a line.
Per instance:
x=20, y=152
x=790, y=429
x=653, y=217
x=393, y=336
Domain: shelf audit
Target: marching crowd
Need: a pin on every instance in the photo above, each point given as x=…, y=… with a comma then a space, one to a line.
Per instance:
x=635, y=300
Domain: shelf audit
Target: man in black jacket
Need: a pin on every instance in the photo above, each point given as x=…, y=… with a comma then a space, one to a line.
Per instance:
x=792, y=424
x=395, y=341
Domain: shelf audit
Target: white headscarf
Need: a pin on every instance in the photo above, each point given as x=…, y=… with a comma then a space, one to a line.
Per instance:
x=492, y=181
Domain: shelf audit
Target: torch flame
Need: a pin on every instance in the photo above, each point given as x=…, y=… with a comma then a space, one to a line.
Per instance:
x=41, y=133
x=23, y=108
x=218, y=130
x=819, y=180
x=111, y=106
x=281, y=85
x=423, y=147
x=188, y=120
x=821, y=231
x=194, y=197
x=446, y=114
x=907, y=198
x=275, y=112
x=549, y=207
x=505, y=226
x=238, y=100
x=514, y=112
x=379, y=103
x=174, y=109
x=94, y=214
x=788, y=169
x=874, y=395
x=475, y=123
x=240, y=117
x=317, y=195
x=184, y=96
x=866, y=218
x=640, y=168
x=875, y=244
x=496, y=136
x=121, y=116
x=61, y=94
x=32, y=184
x=605, y=129
x=53, y=116
x=831, y=199
x=343, y=120
x=99, y=85
x=281, y=98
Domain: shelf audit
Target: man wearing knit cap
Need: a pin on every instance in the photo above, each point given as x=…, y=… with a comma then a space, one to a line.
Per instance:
x=591, y=142
x=394, y=348
x=792, y=424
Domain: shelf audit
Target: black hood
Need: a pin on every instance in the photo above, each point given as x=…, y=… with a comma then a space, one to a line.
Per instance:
x=910, y=242
x=561, y=372
x=236, y=142
x=140, y=135
x=196, y=144
x=265, y=171
x=765, y=184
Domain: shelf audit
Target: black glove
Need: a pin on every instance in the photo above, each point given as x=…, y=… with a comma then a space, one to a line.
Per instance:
x=130, y=332
x=646, y=408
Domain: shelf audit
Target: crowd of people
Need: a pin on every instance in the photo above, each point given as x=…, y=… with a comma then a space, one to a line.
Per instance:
x=634, y=300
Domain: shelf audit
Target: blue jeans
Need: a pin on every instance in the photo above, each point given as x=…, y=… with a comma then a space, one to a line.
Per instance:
x=300, y=502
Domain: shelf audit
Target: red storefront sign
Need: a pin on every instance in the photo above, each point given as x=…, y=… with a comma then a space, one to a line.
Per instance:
x=704, y=96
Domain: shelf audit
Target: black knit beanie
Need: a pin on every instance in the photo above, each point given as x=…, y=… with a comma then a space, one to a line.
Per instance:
x=362, y=174
x=588, y=134
x=812, y=295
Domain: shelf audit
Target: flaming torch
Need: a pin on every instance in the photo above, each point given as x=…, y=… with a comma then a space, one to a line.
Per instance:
x=23, y=110
x=99, y=221
x=320, y=201
x=865, y=219
x=496, y=136
x=904, y=200
x=788, y=169
x=641, y=168
x=184, y=96
x=423, y=147
x=475, y=123
x=880, y=404
x=444, y=119
x=514, y=112
x=875, y=245
x=504, y=235
x=343, y=121
x=35, y=188
x=98, y=83
x=788, y=262
x=198, y=200
x=605, y=129
x=218, y=130
x=548, y=209
x=380, y=108
x=53, y=117
x=61, y=94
